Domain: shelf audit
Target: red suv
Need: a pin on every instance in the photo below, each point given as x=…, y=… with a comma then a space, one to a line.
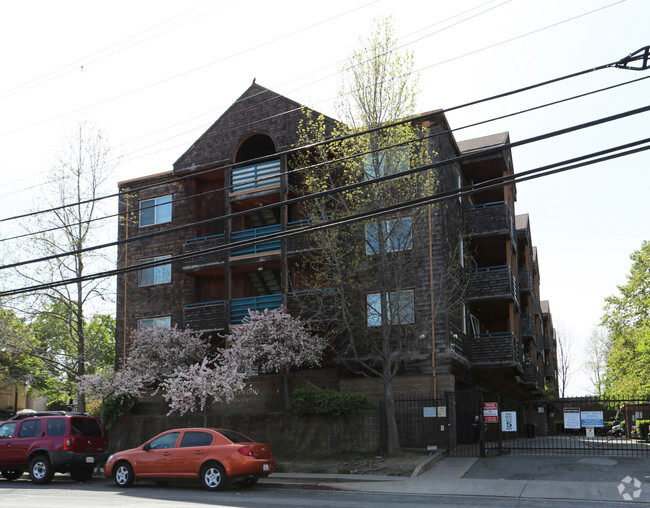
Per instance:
x=44, y=443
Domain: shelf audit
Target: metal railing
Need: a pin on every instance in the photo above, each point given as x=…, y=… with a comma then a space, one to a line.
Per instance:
x=254, y=177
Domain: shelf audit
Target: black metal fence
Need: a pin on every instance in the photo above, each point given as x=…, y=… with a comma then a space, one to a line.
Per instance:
x=474, y=424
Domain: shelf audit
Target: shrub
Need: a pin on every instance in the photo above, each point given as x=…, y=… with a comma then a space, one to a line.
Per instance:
x=309, y=401
x=642, y=428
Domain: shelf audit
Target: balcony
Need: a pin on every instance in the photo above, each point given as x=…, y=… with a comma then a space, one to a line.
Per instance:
x=525, y=280
x=213, y=259
x=495, y=350
x=489, y=219
x=208, y=259
x=492, y=283
x=252, y=178
x=532, y=377
x=257, y=248
x=528, y=330
x=203, y=317
x=211, y=316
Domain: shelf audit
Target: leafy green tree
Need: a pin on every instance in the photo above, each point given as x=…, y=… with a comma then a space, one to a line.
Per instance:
x=627, y=317
x=52, y=348
x=370, y=268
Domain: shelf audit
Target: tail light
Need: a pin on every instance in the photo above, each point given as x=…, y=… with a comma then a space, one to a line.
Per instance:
x=67, y=444
x=246, y=450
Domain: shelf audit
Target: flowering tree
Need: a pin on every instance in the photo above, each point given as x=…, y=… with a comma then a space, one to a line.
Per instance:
x=274, y=341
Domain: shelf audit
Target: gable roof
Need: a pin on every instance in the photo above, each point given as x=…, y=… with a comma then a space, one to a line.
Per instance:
x=257, y=111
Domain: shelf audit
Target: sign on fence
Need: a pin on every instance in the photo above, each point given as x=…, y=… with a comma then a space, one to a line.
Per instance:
x=571, y=417
x=509, y=421
x=490, y=412
x=591, y=419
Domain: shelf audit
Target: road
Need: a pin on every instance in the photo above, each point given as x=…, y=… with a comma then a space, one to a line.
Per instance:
x=63, y=493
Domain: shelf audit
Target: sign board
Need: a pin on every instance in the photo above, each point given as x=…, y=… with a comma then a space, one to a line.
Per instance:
x=490, y=412
x=509, y=421
x=571, y=417
x=591, y=419
x=590, y=432
x=429, y=412
x=442, y=411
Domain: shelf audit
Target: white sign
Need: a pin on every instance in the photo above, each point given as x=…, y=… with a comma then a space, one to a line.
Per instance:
x=430, y=412
x=442, y=411
x=590, y=432
x=508, y=421
x=571, y=417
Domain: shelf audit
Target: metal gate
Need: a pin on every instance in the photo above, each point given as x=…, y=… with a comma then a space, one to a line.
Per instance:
x=574, y=426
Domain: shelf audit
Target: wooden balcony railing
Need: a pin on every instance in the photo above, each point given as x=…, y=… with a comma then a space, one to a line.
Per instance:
x=489, y=219
x=495, y=350
x=493, y=282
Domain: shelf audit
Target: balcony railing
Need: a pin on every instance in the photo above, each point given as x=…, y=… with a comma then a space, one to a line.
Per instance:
x=532, y=376
x=525, y=280
x=493, y=282
x=207, y=242
x=200, y=244
x=495, y=350
x=257, y=248
x=254, y=177
x=489, y=219
x=206, y=316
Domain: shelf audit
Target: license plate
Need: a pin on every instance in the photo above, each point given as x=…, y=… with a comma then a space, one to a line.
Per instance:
x=90, y=460
x=266, y=467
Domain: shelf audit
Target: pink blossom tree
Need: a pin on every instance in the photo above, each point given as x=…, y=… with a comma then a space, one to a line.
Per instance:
x=274, y=341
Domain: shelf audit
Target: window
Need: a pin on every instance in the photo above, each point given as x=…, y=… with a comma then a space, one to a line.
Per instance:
x=7, y=430
x=30, y=428
x=386, y=162
x=164, y=321
x=165, y=441
x=193, y=438
x=401, y=308
x=396, y=235
x=155, y=211
x=55, y=427
x=160, y=274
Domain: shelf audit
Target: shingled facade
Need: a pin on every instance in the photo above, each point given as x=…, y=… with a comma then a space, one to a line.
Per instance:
x=497, y=336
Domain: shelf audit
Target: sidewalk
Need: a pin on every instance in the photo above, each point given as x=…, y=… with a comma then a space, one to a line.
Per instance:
x=530, y=477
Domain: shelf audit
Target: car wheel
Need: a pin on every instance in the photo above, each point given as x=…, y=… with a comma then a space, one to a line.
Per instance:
x=213, y=476
x=40, y=470
x=82, y=474
x=247, y=483
x=124, y=475
x=11, y=475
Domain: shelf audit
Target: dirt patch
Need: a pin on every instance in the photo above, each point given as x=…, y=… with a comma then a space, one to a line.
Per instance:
x=402, y=464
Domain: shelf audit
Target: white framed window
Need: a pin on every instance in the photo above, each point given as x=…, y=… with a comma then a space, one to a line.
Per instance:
x=396, y=235
x=476, y=324
x=162, y=321
x=156, y=211
x=401, y=308
x=386, y=162
x=161, y=274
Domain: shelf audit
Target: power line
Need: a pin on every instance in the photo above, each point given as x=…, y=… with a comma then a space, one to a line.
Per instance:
x=603, y=155
x=326, y=193
x=360, y=133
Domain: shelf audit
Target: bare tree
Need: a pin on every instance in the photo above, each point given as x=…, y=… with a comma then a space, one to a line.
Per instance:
x=71, y=223
x=564, y=359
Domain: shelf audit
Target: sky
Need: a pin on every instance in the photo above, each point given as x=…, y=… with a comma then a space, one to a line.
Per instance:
x=154, y=75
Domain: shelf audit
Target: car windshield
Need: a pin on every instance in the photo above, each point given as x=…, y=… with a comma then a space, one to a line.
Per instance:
x=86, y=426
x=235, y=437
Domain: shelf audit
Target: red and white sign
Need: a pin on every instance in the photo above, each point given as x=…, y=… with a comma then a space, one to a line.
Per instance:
x=490, y=412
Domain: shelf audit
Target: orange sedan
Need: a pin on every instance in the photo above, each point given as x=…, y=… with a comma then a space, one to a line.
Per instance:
x=212, y=455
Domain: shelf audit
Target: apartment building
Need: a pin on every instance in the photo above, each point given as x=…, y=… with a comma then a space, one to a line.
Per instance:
x=230, y=188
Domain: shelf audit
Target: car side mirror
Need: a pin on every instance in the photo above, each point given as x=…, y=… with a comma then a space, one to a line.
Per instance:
x=147, y=447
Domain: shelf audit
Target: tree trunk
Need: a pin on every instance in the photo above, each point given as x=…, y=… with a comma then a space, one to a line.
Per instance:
x=392, y=437
x=285, y=382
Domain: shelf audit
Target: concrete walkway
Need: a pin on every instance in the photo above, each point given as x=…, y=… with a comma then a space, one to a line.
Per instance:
x=568, y=478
